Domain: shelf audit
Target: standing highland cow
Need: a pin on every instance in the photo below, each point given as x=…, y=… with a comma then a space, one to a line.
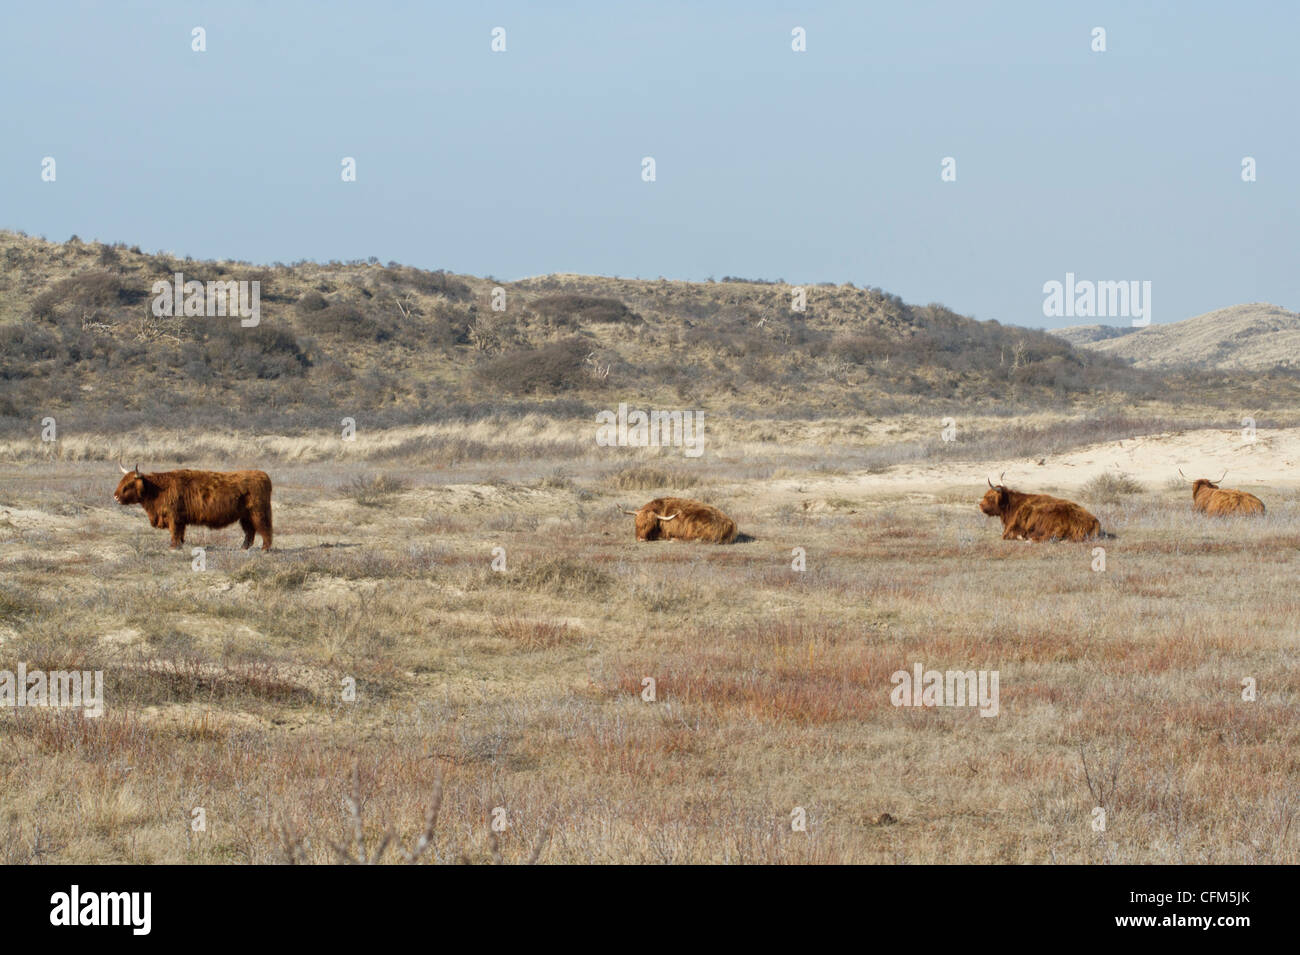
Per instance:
x=1038, y=517
x=1216, y=501
x=176, y=499
x=679, y=518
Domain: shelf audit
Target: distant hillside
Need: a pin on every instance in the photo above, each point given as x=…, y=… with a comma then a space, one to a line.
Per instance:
x=1255, y=336
x=1078, y=335
x=397, y=344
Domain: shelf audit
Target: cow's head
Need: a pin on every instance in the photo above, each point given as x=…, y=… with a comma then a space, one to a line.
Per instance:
x=995, y=500
x=132, y=489
x=648, y=523
x=1201, y=484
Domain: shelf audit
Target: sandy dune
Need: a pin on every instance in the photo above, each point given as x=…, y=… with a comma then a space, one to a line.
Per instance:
x=1271, y=459
x=1257, y=335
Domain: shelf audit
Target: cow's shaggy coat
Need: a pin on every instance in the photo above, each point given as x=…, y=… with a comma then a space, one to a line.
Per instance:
x=679, y=518
x=1217, y=501
x=176, y=499
x=1038, y=517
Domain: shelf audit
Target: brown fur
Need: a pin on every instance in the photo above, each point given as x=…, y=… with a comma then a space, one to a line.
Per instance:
x=1221, y=502
x=176, y=499
x=693, y=521
x=1038, y=517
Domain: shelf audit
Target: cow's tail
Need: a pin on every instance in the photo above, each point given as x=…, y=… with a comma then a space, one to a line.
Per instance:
x=264, y=506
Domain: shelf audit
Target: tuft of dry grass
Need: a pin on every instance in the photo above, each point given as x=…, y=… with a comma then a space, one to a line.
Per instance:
x=646, y=477
x=557, y=574
x=1108, y=487
x=533, y=634
x=374, y=491
x=14, y=606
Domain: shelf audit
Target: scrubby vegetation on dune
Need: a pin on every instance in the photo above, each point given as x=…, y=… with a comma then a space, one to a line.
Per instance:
x=402, y=345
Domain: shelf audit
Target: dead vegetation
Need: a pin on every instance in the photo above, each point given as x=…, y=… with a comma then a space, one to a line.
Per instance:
x=375, y=691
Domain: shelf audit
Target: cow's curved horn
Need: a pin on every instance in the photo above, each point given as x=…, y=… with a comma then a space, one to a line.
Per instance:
x=122, y=469
x=1182, y=475
x=137, y=469
x=989, y=479
x=674, y=517
x=624, y=509
x=1002, y=478
x=1221, y=477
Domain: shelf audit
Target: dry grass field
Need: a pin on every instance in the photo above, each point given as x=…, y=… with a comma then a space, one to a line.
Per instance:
x=447, y=651
x=521, y=690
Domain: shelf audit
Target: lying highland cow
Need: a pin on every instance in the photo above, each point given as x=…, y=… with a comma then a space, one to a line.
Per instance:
x=1038, y=517
x=175, y=499
x=1217, y=501
x=679, y=518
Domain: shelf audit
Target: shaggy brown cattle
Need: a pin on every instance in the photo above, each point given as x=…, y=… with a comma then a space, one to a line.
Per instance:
x=1218, y=501
x=1038, y=517
x=679, y=518
x=175, y=499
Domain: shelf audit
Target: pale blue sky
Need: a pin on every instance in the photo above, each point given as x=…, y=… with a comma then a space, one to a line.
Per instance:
x=816, y=166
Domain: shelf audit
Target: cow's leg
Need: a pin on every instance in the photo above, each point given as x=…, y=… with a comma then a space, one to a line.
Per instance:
x=246, y=522
x=262, y=525
x=178, y=532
